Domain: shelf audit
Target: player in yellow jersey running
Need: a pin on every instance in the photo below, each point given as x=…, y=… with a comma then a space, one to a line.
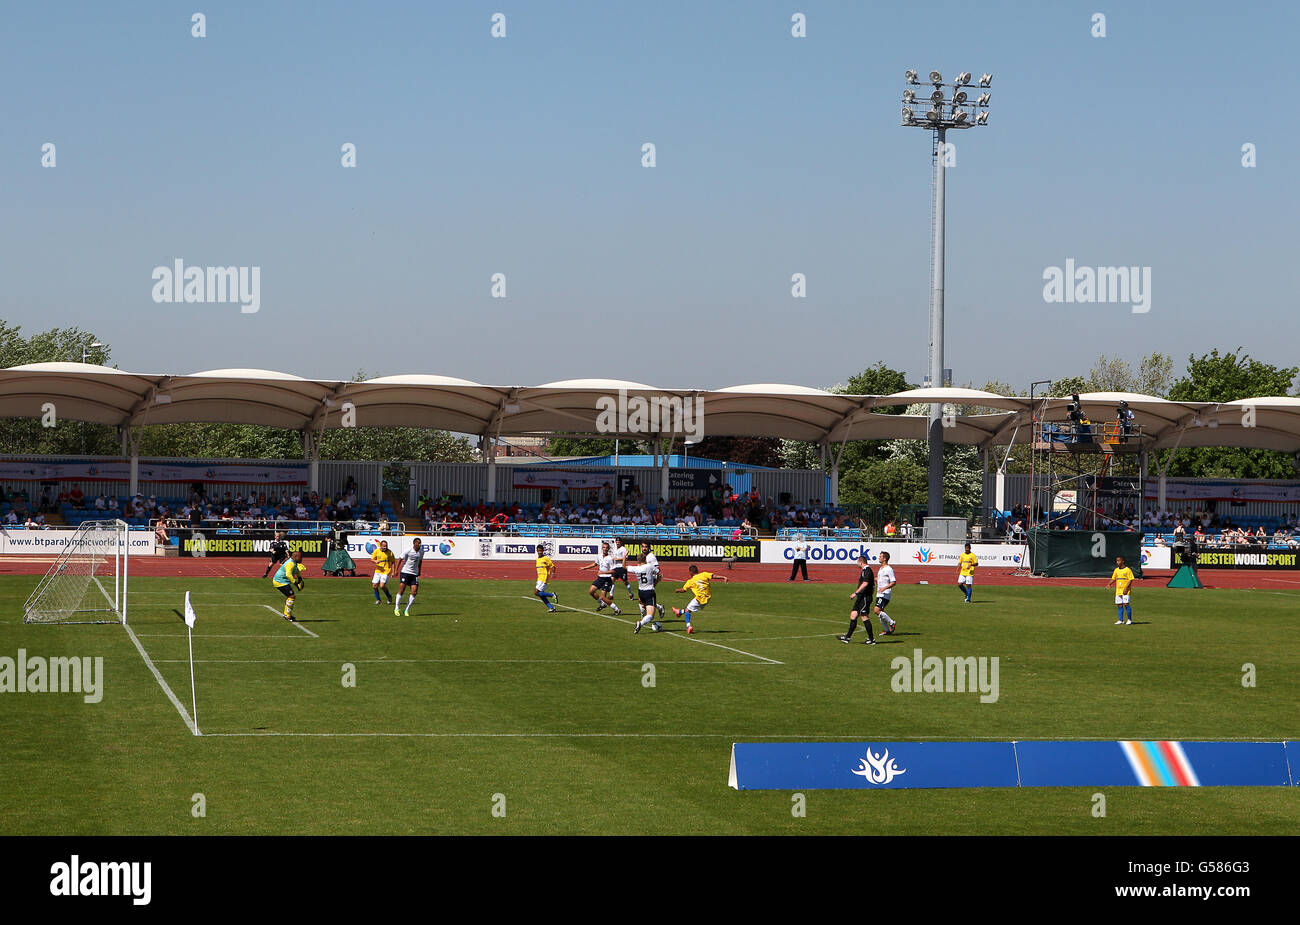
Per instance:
x=966, y=566
x=1122, y=578
x=288, y=577
x=384, y=559
x=545, y=572
x=698, y=585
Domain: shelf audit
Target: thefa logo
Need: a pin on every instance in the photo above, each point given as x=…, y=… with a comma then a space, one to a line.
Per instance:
x=923, y=555
x=878, y=769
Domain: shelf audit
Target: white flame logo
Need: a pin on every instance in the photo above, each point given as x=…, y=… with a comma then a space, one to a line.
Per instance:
x=879, y=769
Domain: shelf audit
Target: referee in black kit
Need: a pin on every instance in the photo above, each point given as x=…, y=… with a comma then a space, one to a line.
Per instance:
x=862, y=598
x=279, y=553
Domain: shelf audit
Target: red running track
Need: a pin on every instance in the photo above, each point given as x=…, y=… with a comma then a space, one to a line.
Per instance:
x=212, y=567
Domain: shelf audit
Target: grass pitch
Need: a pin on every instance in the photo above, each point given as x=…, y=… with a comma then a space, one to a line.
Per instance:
x=481, y=692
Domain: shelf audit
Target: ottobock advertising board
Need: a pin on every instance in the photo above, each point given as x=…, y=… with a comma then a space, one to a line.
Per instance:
x=841, y=552
x=52, y=542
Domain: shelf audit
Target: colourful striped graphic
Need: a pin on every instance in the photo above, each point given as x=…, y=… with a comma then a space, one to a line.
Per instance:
x=1160, y=764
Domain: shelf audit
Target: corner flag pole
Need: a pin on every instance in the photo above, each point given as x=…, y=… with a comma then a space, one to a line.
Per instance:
x=190, y=617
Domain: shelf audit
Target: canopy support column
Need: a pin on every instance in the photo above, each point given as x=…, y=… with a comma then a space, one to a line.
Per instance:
x=311, y=452
x=488, y=444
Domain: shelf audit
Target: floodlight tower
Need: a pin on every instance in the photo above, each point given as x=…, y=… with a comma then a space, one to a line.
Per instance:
x=955, y=110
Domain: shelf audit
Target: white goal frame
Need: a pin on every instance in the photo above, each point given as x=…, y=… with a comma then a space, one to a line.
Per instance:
x=73, y=590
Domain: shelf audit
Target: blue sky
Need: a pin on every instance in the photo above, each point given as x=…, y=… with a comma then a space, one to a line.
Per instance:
x=522, y=156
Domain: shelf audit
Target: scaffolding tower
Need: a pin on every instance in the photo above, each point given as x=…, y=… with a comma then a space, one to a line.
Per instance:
x=1081, y=470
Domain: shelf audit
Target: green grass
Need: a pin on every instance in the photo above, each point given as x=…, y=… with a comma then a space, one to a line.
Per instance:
x=483, y=659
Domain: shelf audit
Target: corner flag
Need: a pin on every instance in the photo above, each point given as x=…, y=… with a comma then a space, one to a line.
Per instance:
x=190, y=616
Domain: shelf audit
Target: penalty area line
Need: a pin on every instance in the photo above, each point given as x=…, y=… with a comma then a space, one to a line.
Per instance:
x=291, y=622
x=703, y=642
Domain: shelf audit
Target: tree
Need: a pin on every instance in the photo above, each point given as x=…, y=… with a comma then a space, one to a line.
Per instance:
x=874, y=380
x=1216, y=377
x=1113, y=374
x=27, y=435
x=752, y=451
x=887, y=483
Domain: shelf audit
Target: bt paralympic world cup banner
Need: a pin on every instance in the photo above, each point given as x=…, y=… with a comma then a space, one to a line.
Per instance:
x=53, y=542
x=114, y=471
x=843, y=552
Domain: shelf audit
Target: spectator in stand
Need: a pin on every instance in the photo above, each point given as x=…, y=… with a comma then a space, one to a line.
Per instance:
x=160, y=532
x=77, y=497
x=11, y=518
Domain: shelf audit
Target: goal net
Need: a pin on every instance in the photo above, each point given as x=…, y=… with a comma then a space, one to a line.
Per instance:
x=87, y=582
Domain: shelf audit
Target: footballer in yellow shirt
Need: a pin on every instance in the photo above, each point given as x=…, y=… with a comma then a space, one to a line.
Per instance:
x=545, y=572
x=699, y=586
x=1122, y=578
x=288, y=577
x=384, y=559
x=966, y=566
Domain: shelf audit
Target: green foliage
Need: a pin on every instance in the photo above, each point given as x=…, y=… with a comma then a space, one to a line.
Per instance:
x=1216, y=377
x=888, y=483
x=57, y=345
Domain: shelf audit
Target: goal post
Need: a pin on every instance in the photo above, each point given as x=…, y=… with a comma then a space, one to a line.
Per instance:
x=88, y=581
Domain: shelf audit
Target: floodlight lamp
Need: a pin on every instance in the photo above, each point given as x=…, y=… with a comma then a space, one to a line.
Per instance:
x=909, y=96
x=933, y=115
x=959, y=97
x=959, y=115
x=983, y=100
x=936, y=78
x=962, y=79
x=911, y=76
x=982, y=118
x=936, y=97
x=908, y=115
x=986, y=80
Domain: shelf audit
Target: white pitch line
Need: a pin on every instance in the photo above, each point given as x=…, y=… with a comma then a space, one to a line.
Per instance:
x=421, y=661
x=703, y=642
x=769, y=638
x=216, y=636
x=291, y=623
x=734, y=737
x=180, y=708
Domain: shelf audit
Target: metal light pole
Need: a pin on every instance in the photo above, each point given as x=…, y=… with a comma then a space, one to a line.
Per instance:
x=952, y=111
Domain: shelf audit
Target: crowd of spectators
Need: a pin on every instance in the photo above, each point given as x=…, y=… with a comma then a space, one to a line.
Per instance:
x=721, y=507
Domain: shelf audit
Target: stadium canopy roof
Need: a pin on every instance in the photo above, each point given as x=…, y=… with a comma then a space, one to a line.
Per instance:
x=84, y=392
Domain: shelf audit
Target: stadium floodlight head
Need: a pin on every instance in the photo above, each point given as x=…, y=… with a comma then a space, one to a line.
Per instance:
x=936, y=97
x=962, y=79
x=983, y=100
x=933, y=115
x=958, y=115
x=959, y=98
x=909, y=96
x=986, y=80
x=908, y=116
x=936, y=78
x=982, y=118
x=911, y=75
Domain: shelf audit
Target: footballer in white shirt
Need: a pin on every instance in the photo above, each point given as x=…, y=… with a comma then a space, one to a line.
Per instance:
x=602, y=589
x=885, y=581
